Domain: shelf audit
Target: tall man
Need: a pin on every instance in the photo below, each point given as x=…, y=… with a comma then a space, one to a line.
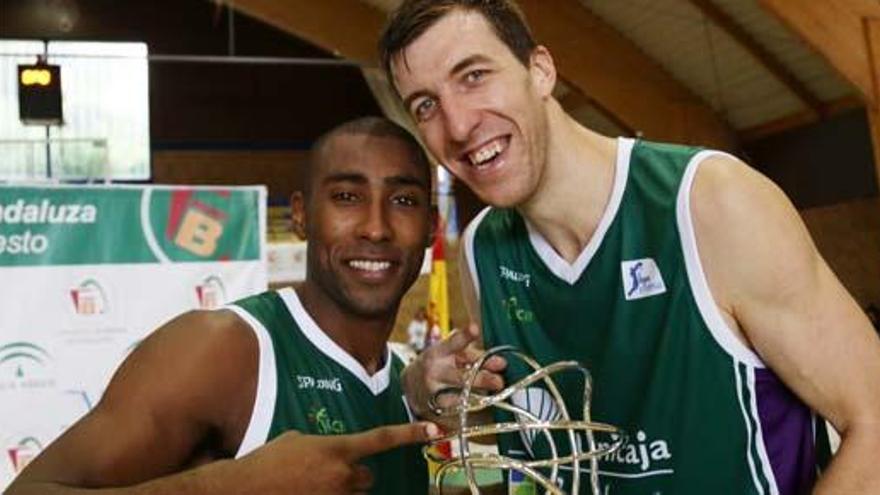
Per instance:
x=682, y=278
x=234, y=401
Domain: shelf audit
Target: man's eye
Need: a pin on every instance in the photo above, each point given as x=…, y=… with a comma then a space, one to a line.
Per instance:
x=344, y=196
x=475, y=75
x=405, y=200
x=424, y=109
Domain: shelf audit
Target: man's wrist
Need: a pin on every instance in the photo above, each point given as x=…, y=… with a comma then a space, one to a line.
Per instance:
x=410, y=399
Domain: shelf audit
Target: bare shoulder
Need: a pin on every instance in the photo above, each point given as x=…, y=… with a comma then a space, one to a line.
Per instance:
x=201, y=335
x=750, y=237
x=197, y=337
x=199, y=368
x=215, y=350
x=726, y=189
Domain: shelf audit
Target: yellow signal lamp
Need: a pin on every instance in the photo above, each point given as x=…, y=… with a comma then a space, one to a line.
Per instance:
x=39, y=94
x=36, y=77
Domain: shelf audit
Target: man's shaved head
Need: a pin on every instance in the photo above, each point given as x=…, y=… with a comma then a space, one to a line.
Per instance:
x=379, y=127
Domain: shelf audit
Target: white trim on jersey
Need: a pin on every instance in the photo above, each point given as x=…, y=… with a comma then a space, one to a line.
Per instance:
x=751, y=462
x=721, y=332
x=468, y=240
x=267, y=387
x=375, y=384
x=572, y=272
x=766, y=467
x=264, y=220
x=409, y=412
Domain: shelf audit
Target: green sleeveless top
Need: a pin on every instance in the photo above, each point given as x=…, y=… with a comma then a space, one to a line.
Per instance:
x=701, y=411
x=309, y=384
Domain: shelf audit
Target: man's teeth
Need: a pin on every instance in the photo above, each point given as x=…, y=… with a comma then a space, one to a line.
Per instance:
x=486, y=153
x=370, y=266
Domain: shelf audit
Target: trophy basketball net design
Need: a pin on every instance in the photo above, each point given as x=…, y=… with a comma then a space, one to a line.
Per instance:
x=538, y=412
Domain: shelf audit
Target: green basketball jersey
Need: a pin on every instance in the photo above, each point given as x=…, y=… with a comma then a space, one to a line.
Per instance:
x=701, y=411
x=309, y=384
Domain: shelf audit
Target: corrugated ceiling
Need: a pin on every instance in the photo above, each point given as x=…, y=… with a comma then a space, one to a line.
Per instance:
x=715, y=66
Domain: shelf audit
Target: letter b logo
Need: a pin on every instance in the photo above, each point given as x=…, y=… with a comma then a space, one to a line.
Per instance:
x=198, y=233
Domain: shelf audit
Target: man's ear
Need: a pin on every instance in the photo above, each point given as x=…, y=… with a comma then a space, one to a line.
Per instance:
x=298, y=214
x=542, y=70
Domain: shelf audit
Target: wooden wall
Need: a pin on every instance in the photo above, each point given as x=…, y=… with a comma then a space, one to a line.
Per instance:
x=824, y=164
x=848, y=236
x=279, y=170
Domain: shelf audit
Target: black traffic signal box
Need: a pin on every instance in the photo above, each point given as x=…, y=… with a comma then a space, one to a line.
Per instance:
x=39, y=94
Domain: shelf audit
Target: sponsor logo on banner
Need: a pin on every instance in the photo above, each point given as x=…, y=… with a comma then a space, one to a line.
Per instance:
x=194, y=224
x=211, y=293
x=23, y=365
x=22, y=453
x=89, y=298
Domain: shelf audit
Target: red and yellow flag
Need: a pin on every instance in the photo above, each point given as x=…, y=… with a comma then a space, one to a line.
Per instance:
x=438, y=314
x=438, y=292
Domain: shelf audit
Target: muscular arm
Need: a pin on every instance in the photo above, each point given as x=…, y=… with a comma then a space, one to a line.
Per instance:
x=183, y=397
x=174, y=415
x=773, y=288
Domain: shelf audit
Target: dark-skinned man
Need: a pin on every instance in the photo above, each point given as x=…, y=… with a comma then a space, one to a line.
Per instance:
x=291, y=391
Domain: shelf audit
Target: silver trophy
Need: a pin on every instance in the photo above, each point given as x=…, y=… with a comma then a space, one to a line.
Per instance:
x=527, y=422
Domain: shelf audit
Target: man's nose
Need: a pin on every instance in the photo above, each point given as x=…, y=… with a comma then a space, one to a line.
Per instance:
x=375, y=225
x=460, y=118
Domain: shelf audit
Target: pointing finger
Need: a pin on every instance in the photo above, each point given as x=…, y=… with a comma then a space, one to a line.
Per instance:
x=384, y=438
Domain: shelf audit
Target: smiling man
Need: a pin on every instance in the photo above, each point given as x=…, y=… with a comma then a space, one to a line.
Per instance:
x=288, y=391
x=681, y=277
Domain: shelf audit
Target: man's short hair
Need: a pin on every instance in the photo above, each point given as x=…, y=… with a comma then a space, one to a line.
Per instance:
x=413, y=17
x=369, y=126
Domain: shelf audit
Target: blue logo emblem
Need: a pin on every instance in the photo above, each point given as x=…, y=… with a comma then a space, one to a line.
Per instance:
x=641, y=278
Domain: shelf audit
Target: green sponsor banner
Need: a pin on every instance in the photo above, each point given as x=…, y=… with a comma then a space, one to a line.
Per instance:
x=110, y=225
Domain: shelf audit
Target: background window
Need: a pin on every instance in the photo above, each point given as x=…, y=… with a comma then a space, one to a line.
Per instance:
x=106, y=131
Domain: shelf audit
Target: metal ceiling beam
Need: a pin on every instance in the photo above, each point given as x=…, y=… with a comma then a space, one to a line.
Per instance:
x=727, y=24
